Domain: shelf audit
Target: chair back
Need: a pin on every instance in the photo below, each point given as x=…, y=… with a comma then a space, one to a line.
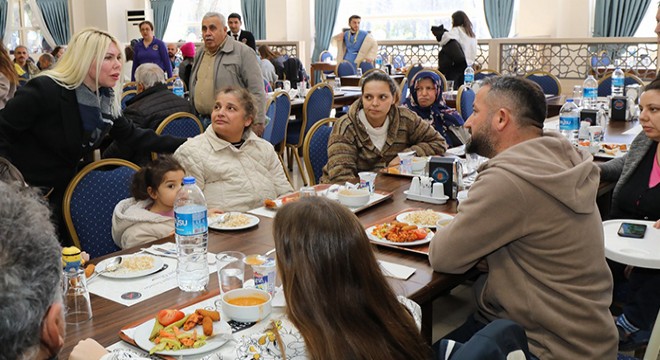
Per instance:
x=326, y=56
x=548, y=82
x=317, y=106
x=412, y=72
x=90, y=200
x=464, y=101
x=605, y=83
x=366, y=66
x=180, y=124
x=405, y=90
x=484, y=73
x=602, y=59
x=345, y=68
x=131, y=85
x=126, y=96
x=275, y=132
x=270, y=115
x=315, y=149
x=398, y=62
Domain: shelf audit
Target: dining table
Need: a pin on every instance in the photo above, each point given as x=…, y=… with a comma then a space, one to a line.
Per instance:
x=354, y=80
x=423, y=287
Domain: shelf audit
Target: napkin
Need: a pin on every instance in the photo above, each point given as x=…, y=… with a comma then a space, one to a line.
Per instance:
x=395, y=270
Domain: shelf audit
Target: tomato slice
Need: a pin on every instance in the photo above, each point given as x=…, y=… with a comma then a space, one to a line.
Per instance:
x=169, y=316
x=421, y=233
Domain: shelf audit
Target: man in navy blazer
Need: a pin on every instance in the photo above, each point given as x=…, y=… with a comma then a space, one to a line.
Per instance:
x=234, y=22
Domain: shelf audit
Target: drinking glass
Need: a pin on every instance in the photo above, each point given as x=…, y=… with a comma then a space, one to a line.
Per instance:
x=450, y=85
x=231, y=270
x=577, y=95
x=337, y=84
x=359, y=72
x=78, y=308
x=307, y=191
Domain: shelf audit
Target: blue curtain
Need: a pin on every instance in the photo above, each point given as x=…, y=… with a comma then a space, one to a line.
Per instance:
x=254, y=17
x=499, y=14
x=162, y=10
x=618, y=18
x=325, y=16
x=56, y=17
x=3, y=18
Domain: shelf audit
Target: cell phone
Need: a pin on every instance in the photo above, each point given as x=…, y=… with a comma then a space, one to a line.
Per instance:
x=636, y=231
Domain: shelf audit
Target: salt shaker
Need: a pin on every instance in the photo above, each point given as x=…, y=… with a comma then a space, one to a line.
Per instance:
x=415, y=186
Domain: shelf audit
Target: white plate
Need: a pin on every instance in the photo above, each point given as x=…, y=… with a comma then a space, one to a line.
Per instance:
x=402, y=218
x=252, y=221
x=122, y=273
x=143, y=331
x=410, y=243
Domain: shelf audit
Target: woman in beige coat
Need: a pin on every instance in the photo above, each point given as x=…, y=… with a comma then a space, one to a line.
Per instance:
x=235, y=169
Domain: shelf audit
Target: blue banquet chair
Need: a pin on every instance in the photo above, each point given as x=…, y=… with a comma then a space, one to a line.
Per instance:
x=605, y=83
x=126, y=96
x=317, y=106
x=548, y=82
x=275, y=132
x=315, y=149
x=90, y=200
x=484, y=73
x=366, y=66
x=345, y=68
x=464, y=101
x=180, y=124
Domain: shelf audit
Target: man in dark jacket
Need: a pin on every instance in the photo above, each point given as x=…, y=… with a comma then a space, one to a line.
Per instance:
x=234, y=22
x=153, y=103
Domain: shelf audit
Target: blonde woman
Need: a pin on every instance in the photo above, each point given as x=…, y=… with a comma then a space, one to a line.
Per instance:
x=62, y=115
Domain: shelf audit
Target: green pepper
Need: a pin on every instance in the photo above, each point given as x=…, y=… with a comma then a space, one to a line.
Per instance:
x=156, y=330
x=159, y=347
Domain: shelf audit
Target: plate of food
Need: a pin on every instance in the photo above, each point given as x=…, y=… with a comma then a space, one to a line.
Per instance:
x=131, y=266
x=232, y=221
x=399, y=234
x=184, y=334
x=423, y=218
x=611, y=150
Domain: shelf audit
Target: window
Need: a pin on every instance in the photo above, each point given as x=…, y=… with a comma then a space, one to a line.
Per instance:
x=410, y=20
x=186, y=18
x=647, y=26
x=22, y=28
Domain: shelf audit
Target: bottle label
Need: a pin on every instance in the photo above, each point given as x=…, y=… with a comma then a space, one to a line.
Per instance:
x=569, y=123
x=178, y=91
x=468, y=78
x=187, y=224
x=591, y=93
x=617, y=81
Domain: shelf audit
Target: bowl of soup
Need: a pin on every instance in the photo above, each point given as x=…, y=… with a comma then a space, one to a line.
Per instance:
x=353, y=197
x=246, y=305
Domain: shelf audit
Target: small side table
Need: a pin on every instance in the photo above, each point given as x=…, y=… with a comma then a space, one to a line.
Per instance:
x=643, y=252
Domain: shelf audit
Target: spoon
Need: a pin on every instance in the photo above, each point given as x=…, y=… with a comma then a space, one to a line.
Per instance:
x=112, y=266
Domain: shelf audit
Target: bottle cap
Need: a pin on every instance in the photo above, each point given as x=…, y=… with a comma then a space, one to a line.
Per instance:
x=188, y=180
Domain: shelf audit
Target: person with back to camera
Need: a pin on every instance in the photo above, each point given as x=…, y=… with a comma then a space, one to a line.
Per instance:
x=338, y=300
x=425, y=99
x=461, y=31
x=540, y=245
x=188, y=53
x=637, y=196
x=373, y=132
x=77, y=108
x=149, y=49
x=236, y=169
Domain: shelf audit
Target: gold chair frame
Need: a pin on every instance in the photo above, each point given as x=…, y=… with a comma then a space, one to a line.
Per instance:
x=66, y=204
x=169, y=119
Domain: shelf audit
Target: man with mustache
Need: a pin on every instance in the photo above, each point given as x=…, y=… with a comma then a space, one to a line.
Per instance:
x=224, y=62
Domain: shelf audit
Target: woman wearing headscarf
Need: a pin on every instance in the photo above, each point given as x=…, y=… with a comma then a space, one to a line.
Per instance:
x=425, y=99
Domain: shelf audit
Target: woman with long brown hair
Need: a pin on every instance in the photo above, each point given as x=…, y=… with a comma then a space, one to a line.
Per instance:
x=462, y=32
x=336, y=294
x=8, y=77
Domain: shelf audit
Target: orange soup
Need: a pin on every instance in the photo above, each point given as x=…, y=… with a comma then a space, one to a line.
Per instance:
x=246, y=301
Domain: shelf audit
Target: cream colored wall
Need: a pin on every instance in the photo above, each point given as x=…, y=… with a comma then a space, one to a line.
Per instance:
x=291, y=20
x=558, y=18
x=107, y=15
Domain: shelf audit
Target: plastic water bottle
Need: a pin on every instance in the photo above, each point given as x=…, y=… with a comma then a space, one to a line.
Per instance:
x=569, y=121
x=379, y=62
x=177, y=87
x=617, y=82
x=191, y=233
x=468, y=76
x=590, y=92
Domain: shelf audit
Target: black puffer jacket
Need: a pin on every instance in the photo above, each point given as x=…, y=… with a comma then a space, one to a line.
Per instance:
x=150, y=107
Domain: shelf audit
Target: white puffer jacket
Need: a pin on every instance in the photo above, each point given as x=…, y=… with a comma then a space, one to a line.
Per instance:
x=133, y=224
x=233, y=179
